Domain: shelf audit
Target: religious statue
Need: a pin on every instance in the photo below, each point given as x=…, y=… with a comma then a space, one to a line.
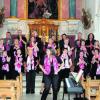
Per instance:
x=1, y=16
x=86, y=19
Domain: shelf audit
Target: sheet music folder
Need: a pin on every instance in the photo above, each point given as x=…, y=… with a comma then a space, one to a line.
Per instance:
x=77, y=76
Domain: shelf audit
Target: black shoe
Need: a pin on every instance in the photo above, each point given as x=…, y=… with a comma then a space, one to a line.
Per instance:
x=27, y=92
x=41, y=92
x=65, y=92
x=32, y=92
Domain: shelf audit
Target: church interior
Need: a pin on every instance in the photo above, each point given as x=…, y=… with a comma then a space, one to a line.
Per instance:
x=49, y=50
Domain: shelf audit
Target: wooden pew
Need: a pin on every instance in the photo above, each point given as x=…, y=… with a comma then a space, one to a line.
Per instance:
x=83, y=82
x=21, y=84
x=98, y=95
x=92, y=88
x=5, y=84
x=7, y=91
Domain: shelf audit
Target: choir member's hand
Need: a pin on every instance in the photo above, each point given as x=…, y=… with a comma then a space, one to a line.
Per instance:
x=91, y=45
x=93, y=60
x=72, y=48
x=55, y=46
x=97, y=61
x=56, y=72
x=37, y=61
x=8, y=59
x=84, y=63
x=45, y=72
x=20, y=37
x=61, y=66
x=80, y=61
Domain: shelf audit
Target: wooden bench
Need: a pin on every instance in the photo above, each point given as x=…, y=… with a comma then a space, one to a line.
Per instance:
x=21, y=84
x=83, y=82
x=7, y=91
x=92, y=88
x=17, y=84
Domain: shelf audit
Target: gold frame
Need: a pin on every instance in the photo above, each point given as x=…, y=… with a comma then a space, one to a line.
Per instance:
x=59, y=10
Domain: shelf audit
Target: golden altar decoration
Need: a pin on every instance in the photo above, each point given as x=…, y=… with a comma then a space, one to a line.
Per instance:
x=43, y=27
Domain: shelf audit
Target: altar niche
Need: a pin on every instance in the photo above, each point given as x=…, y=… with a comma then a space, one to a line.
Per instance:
x=45, y=28
x=38, y=9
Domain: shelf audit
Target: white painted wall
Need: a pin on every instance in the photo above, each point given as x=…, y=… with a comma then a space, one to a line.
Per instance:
x=97, y=20
x=12, y=25
x=94, y=8
x=1, y=3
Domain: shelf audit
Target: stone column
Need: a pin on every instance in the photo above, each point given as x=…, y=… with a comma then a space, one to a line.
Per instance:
x=72, y=8
x=1, y=3
x=13, y=8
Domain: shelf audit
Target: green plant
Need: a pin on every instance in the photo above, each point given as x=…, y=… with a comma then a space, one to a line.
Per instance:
x=2, y=18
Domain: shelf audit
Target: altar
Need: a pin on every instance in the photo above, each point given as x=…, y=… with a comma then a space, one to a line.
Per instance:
x=44, y=27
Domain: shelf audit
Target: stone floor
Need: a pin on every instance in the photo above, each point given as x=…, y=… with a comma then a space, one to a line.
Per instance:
x=37, y=95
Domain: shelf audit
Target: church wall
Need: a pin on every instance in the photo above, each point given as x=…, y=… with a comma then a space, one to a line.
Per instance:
x=94, y=8
x=78, y=9
x=1, y=3
x=21, y=9
x=97, y=20
x=7, y=8
x=68, y=27
x=12, y=25
x=65, y=9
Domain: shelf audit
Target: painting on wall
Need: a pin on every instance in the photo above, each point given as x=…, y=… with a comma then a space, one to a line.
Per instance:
x=38, y=9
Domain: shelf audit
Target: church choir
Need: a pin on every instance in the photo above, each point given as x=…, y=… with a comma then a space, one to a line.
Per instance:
x=53, y=58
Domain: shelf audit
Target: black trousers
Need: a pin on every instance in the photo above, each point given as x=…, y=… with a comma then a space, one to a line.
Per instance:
x=30, y=81
x=1, y=75
x=98, y=77
x=93, y=70
x=6, y=74
x=48, y=81
x=13, y=74
x=64, y=73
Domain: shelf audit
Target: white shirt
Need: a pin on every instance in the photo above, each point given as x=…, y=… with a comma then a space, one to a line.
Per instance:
x=66, y=64
x=30, y=63
x=66, y=61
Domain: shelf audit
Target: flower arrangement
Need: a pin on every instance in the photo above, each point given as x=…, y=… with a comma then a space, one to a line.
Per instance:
x=2, y=18
x=86, y=19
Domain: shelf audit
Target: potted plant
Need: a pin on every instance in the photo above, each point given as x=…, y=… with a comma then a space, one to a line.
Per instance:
x=1, y=17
